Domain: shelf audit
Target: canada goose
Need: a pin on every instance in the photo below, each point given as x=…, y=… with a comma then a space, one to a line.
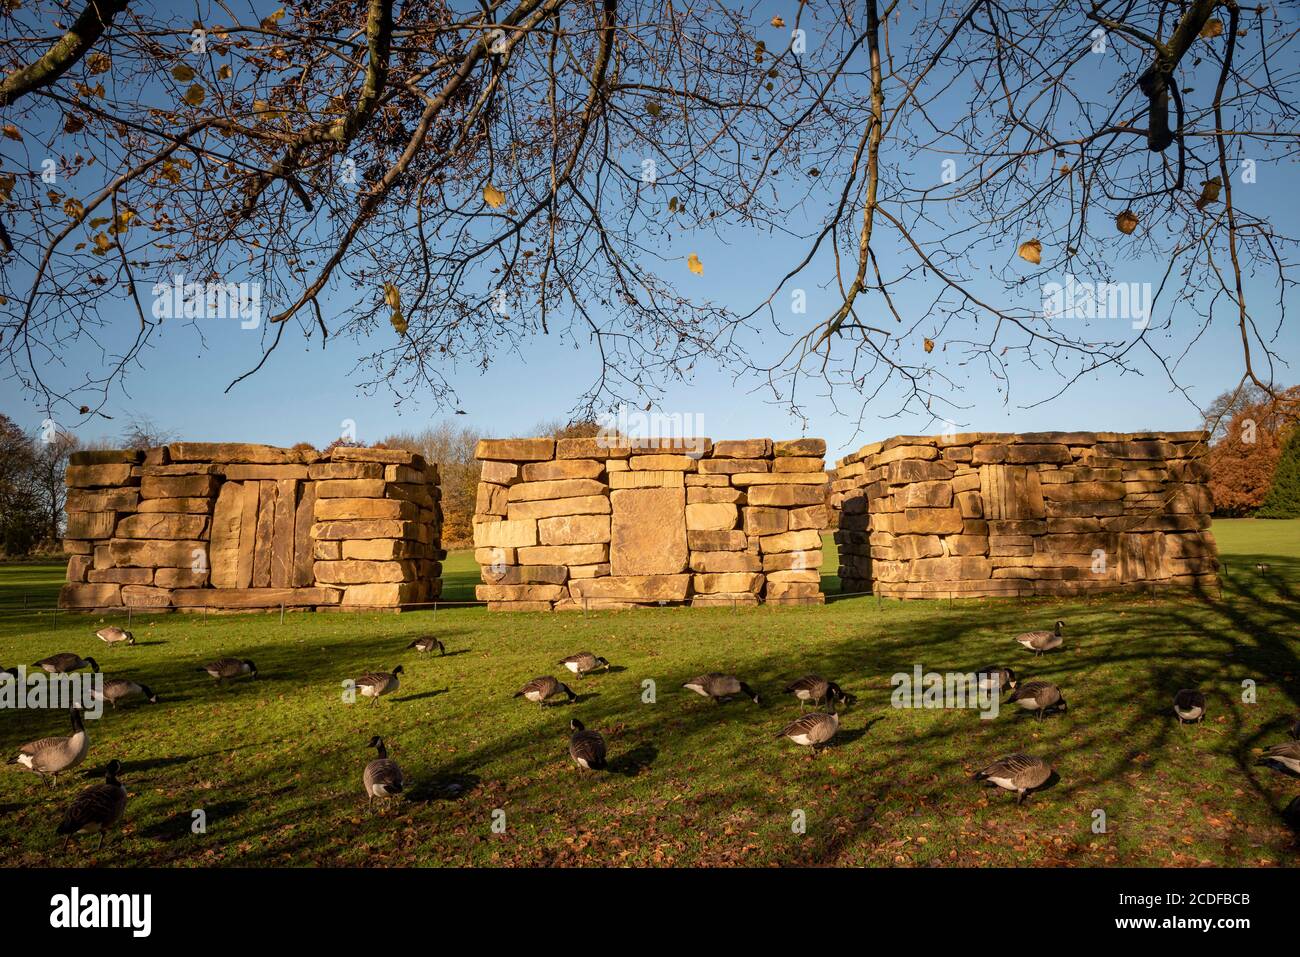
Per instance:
x=814, y=729
x=223, y=669
x=543, y=689
x=66, y=661
x=1287, y=755
x=1189, y=705
x=53, y=756
x=97, y=808
x=583, y=662
x=378, y=683
x=1040, y=696
x=1295, y=728
x=721, y=687
x=1261, y=567
x=817, y=689
x=382, y=777
x=1000, y=678
x=1021, y=773
x=113, y=635
x=119, y=689
x=428, y=643
x=1040, y=641
x=587, y=748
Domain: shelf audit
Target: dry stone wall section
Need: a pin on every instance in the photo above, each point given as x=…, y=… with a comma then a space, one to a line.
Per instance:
x=586, y=523
x=1054, y=513
x=193, y=526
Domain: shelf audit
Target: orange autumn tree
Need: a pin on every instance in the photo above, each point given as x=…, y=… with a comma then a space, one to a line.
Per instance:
x=1242, y=462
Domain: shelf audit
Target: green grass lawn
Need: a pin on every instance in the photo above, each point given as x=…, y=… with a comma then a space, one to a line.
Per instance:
x=276, y=763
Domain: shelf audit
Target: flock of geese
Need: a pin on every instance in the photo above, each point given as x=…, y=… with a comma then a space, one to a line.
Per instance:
x=99, y=807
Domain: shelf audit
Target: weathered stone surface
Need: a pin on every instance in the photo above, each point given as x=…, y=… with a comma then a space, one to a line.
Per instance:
x=725, y=562
x=508, y=534
x=787, y=496
x=766, y=521
x=582, y=505
x=741, y=479
x=716, y=541
x=588, y=571
x=729, y=582
x=360, y=572
x=275, y=473
x=386, y=456
x=564, y=488
x=345, y=470
x=164, y=525
x=734, y=466
x=97, y=476
x=710, y=517
x=563, y=469
x=156, y=554
x=193, y=506
x=105, y=457
x=924, y=521
x=573, y=530
x=668, y=462
x=351, y=488
x=177, y=577
x=743, y=449
x=90, y=596
x=589, y=448
x=648, y=532
x=799, y=559
x=800, y=447
x=520, y=592
x=798, y=464
x=517, y=450
x=809, y=576
x=632, y=587
x=710, y=495
x=808, y=540
x=332, y=509
x=179, y=486
x=526, y=575
x=500, y=473
x=256, y=597
x=564, y=555
x=92, y=525
x=369, y=528
x=224, y=452
x=646, y=479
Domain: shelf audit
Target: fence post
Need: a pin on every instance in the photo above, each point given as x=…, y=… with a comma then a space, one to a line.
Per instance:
x=282, y=613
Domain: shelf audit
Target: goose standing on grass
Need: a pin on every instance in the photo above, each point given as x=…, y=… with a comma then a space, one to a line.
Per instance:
x=587, y=748
x=813, y=730
x=224, y=669
x=816, y=689
x=119, y=689
x=378, y=683
x=1000, y=678
x=113, y=635
x=427, y=643
x=1286, y=755
x=583, y=663
x=382, y=777
x=721, y=687
x=66, y=661
x=1189, y=705
x=1040, y=641
x=53, y=756
x=97, y=808
x=541, y=690
x=1018, y=772
x=1040, y=696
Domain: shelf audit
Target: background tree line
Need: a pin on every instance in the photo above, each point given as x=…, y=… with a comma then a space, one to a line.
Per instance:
x=1255, y=452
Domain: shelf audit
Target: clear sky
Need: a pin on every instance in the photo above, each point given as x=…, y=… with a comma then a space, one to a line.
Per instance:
x=305, y=393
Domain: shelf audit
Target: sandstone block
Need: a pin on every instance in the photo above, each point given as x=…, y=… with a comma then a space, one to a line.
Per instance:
x=164, y=525
x=590, y=448
x=710, y=517
x=156, y=554
x=573, y=530
x=106, y=500
x=491, y=500
x=662, y=463
x=495, y=556
x=741, y=479
x=368, y=528
x=377, y=549
x=709, y=495
x=812, y=516
x=790, y=592
x=927, y=495
x=500, y=473
x=808, y=540
x=582, y=505
x=91, y=525
x=810, y=576
x=563, y=488
x=516, y=450
x=648, y=533
x=563, y=469
x=193, y=506
x=645, y=479
x=526, y=575
x=797, y=464
x=725, y=562
x=800, y=447
x=563, y=554
x=345, y=470
x=766, y=521
x=90, y=596
x=786, y=496
x=716, y=541
x=226, y=452
x=334, y=509
x=589, y=571
x=178, y=577
x=359, y=572
x=105, y=457
x=632, y=587
x=546, y=593
x=937, y=521
x=96, y=476
x=742, y=449
x=730, y=582
x=733, y=466
x=270, y=473
x=508, y=534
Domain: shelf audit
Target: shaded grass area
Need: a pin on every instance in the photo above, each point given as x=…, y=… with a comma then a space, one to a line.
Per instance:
x=276, y=764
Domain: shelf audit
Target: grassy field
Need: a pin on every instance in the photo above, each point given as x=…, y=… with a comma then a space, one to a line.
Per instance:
x=276, y=763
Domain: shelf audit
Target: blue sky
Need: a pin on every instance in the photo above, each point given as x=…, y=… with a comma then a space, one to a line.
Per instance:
x=305, y=393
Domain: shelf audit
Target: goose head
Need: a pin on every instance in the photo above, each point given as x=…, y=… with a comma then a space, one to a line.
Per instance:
x=576, y=725
x=252, y=668
x=130, y=637
x=376, y=742
x=398, y=671
x=112, y=771
x=1059, y=625
x=149, y=694
x=602, y=662
x=94, y=665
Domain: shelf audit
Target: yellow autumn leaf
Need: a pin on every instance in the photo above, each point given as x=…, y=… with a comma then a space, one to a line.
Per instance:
x=1126, y=222
x=11, y=132
x=493, y=196
x=98, y=63
x=195, y=95
x=778, y=22
x=182, y=73
x=102, y=244
x=1213, y=28
x=694, y=265
x=73, y=208
x=929, y=345
x=225, y=73
x=392, y=296
x=1031, y=251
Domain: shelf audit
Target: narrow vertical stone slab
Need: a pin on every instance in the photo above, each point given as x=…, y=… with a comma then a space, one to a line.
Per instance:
x=265, y=532
x=648, y=531
x=282, y=538
x=303, y=575
x=248, y=497
x=223, y=548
